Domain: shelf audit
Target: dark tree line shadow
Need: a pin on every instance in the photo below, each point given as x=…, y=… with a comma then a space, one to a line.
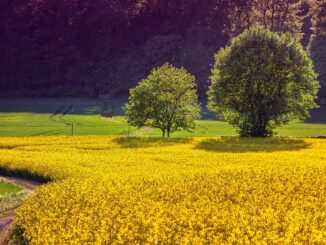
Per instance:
x=223, y=144
x=236, y=144
x=143, y=142
x=53, y=106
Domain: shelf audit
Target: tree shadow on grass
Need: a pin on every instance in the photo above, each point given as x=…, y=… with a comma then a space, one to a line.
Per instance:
x=242, y=145
x=143, y=142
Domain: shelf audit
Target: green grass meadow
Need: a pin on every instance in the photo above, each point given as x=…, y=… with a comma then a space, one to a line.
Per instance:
x=50, y=116
x=6, y=188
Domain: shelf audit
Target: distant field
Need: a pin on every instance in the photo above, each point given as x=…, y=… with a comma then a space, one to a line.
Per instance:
x=33, y=117
x=44, y=116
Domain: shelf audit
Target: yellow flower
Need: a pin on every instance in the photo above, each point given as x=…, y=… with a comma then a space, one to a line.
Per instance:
x=197, y=191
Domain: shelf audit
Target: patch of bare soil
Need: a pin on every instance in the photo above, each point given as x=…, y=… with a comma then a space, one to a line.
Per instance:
x=6, y=226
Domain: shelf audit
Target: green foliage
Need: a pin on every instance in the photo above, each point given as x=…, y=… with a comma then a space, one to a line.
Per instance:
x=17, y=236
x=262, y=80
x=166, y=99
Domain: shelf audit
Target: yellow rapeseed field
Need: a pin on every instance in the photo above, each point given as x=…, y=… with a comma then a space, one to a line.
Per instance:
x=179, y=191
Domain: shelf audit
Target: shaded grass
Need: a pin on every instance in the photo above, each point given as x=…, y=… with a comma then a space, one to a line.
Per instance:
x=142, y=142
x=241, y=145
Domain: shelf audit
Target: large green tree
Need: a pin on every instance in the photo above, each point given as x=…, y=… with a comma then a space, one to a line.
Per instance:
x=262, y=80
x=166, y=99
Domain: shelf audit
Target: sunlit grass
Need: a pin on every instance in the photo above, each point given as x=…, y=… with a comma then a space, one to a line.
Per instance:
x=34, y=117
x=6, y=188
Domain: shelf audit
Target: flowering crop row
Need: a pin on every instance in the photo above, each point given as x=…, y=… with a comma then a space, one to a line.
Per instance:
x=178, y=191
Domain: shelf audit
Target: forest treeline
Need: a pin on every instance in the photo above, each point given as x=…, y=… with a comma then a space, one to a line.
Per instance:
x=104, y=47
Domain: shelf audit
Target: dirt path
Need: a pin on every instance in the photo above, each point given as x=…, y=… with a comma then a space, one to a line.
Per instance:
x=6, y=225
x=8, y=218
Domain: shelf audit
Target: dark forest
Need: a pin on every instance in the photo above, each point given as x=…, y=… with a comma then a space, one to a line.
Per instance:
x=93, y=48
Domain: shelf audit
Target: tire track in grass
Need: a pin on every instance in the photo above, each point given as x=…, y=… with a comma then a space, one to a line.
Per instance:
x=59, y=115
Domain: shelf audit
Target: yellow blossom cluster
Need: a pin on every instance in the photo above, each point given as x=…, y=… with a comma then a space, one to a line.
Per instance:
x=111, y=190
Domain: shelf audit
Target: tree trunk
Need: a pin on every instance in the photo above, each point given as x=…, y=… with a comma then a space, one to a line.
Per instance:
x=163, y=133
x=259, y=128
x=168, y=129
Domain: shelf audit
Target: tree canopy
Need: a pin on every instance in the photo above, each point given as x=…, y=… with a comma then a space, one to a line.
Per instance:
x=262, y=80
x=166, y=99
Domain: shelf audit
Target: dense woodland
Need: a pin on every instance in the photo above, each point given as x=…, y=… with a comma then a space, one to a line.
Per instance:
x=104, y=47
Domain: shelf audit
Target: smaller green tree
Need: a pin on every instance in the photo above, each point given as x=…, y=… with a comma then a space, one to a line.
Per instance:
x=167, y=99
x=262, y=80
